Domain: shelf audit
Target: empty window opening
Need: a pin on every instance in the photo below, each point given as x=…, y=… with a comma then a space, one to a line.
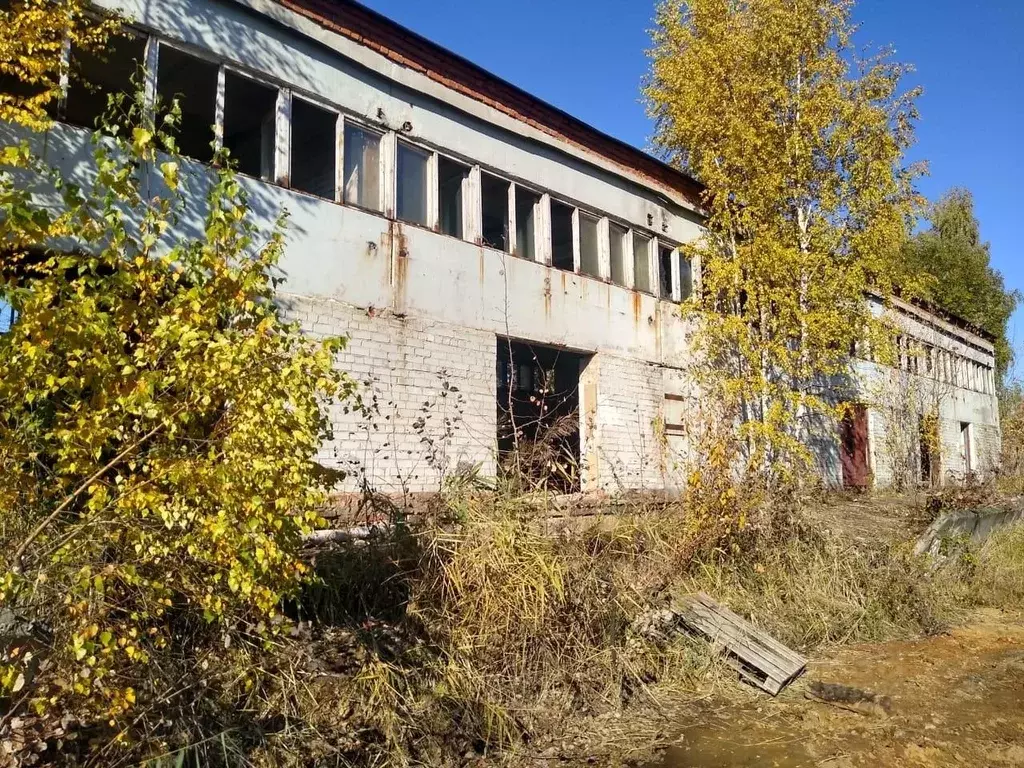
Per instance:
x=193, y=83
x=617, y=253
x=412, y=184
x=362, y=167
x=314, y=149
x=561, y=237
x=527, y=203
x=928, y=450
x=250, y=125
x=538, y=414
x=452, y=178
x=665, y=272
x=494, y=194
x=642, y=263
x=96, y=79
x=685, y=278
x=590, y=252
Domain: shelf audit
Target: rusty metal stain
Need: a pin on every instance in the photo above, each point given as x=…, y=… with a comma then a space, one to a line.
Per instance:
x=589, y=426
x=400, y=262
x=480, y=265
x=547, y=296
x=638, y=307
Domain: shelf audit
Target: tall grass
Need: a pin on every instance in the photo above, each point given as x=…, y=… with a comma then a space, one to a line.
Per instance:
x=488, y=629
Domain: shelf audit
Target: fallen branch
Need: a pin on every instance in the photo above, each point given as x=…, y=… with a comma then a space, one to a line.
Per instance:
x=345, y=535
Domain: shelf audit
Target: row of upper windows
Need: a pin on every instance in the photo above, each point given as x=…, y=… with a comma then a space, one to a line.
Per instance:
x=943, y=365
x=278, y=136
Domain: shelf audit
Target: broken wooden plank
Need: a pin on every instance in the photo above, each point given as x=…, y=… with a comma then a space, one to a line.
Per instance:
x=763, y=637
x=757, y=656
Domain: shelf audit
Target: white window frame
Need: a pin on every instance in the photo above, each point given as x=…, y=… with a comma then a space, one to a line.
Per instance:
x=382, y=163
x=432, y=196
x=538, y=220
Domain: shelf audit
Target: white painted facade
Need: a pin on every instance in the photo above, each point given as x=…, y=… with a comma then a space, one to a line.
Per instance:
x=423, y=310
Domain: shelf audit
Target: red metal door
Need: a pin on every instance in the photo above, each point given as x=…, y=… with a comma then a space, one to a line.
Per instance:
x=853, y=447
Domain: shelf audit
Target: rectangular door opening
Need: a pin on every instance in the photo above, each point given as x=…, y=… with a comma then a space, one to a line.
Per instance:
x=539, y=415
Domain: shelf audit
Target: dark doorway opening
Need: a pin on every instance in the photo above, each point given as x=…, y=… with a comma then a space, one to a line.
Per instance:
x=928, y=442
x=538, y=414
x=853, y=447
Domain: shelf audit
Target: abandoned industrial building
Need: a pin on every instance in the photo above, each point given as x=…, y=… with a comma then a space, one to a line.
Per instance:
x=505, y=272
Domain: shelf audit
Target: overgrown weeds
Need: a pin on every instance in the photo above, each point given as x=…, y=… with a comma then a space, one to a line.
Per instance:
x=511, y=627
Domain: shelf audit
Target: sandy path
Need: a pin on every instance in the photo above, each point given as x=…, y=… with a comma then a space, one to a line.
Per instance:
x=958, y=699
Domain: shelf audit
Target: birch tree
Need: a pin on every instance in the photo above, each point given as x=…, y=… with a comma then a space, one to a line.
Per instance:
x=800, y=143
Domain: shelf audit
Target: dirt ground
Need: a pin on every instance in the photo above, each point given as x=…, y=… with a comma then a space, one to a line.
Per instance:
x=957, y=699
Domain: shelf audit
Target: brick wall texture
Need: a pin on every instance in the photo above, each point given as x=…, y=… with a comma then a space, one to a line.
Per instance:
x=429, y=394
x=628, y=448
x=429, y=389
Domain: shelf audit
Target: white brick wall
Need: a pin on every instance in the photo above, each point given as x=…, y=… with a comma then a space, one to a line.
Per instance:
x=629, y=451
x=401, y=364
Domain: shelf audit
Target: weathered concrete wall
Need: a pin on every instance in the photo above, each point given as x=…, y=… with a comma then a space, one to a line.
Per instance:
x=975, y=525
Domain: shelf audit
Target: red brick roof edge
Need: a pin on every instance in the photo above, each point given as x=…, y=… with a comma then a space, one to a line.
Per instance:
x=409, y=49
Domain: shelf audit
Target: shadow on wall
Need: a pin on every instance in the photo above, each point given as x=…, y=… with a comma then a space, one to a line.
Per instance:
x=71, y=150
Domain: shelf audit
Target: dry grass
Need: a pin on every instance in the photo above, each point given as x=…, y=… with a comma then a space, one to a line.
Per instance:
x=487, y=632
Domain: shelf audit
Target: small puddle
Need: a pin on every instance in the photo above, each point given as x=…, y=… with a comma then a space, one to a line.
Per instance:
x=714, y=747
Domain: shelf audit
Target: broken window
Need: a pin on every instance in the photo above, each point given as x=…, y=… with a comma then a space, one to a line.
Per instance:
x=97, y=78
x=250, y=125
x=642, y=263
x=590, y=252
x=527, y=203
x=617, y=253
x=412, y=184
x=665, y=272
x=561, y=237
x=314, y=150
x=193, y=83
x=494, y=194
x=538, y=414
x=362, y=167
x=451, y=185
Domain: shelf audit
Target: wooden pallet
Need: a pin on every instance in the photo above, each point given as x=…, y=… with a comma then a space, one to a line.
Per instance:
x=759, y=658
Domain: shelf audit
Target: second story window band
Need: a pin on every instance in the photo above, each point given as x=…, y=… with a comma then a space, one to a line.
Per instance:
x=452, y=178
x=250, y=111
x=617, y=253
x=193, y=82
x=642, y=263
x=561, y=237
x=494, y=193
x=411, y=178
x=314, y=149
x=527, y=206
x=590, y=249
x=94, y=79
x=665, y=272
x=362, y=167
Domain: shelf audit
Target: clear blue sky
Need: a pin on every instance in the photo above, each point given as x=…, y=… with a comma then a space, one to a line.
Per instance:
x=587, y=57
